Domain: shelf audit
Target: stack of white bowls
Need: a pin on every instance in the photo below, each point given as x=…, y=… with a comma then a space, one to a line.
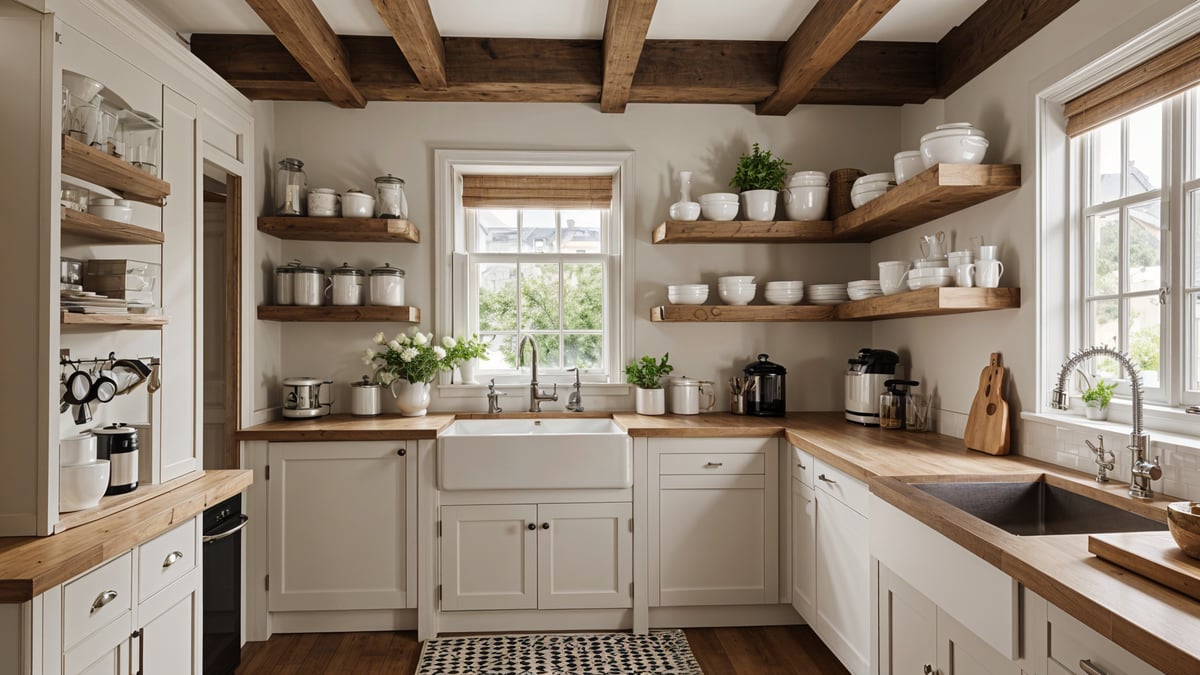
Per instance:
x=806, y=195
x=908, y=164
x=719, y=205
x=784, y=292
x=737, y=290
x=870, y=187
x=687, y=294
x=929, y=273
x=954, y=143
x=82, y=479
x=863, y=289
x=828, y=294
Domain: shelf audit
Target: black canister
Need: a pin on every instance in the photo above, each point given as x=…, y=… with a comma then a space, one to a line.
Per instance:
x=767, y=389
x=118, y=444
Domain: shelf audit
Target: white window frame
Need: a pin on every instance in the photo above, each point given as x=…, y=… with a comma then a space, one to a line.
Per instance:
x=455, y=307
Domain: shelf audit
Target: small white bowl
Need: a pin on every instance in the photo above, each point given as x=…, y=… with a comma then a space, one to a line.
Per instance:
x=121, y=214
x=784, y=284
x=731, y=197
x=871, y=187
x=686, y=288
x=908, y=164
x=882, y=177
x=808, y=178
x=79, y=449
x=685, y=211
x=861, y=199
x=943, y=147
x=739, y=296
x=805, y=203
x=915, y=284
x=81, y=86
x=775, y=299
x=357, y=204
x=718, y=210
x=687, y=298
x=80, y=486
x=740, y=279
x=930, y=272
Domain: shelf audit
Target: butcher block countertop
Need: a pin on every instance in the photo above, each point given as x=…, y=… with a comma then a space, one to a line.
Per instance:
x=30, y=566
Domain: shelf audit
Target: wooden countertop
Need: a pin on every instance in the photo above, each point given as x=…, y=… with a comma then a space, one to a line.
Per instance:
x=30, y=566
x=343, y=427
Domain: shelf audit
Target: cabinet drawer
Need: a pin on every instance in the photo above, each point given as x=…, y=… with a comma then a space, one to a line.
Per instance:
x=166, y=558
x=842, y=486
x=803, y=468
x=712, y=463
x=712, y=445
x=1068, y=642
x=96, y=598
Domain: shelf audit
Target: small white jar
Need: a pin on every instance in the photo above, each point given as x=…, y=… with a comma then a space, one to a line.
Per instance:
x=365, y=398
x=346, y=285
x=307, y=282
x=387, y=286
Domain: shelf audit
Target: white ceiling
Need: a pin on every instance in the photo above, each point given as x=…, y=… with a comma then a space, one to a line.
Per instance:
x=910, y=20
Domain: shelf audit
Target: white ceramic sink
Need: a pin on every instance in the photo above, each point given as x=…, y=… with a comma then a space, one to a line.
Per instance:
x=545, y=454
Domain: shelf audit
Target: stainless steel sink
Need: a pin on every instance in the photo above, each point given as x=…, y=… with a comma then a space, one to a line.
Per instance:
x=1037, y=508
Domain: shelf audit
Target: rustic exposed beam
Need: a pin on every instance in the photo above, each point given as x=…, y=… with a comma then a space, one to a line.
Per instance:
x=411, y=24
x=995, y=29
x=827, y=34
x=625, y=28
x=516, y=69
x=307, y=36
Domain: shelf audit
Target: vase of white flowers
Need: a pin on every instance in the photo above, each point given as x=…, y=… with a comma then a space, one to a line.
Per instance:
x=464, y=353
x=407, y=364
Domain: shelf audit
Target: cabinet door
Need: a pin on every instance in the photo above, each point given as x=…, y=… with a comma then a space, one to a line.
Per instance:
x=585, y=555
x=170, y=631
x=338, y=525
x=804, y=549
x=907, y=628
x=489, y=557
x=843, y=583
x=1069, y=642
x=961, y=651
x=105, y=652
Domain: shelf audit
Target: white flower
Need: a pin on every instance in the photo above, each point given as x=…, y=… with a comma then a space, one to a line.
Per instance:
x=368, y=357
x=408, y=354
x=386, y=378
x=393, y=345
x=439, y=352
x=378, y=339
x=419, y=339
x=401, y=338
x=448, y=342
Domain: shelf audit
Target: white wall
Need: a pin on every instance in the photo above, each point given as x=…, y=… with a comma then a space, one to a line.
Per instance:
x=265, y=378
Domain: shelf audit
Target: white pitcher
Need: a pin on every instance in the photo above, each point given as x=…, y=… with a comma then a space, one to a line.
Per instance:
x=934, y=245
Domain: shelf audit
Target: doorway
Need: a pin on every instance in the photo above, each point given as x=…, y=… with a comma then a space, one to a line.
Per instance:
x=222, y=224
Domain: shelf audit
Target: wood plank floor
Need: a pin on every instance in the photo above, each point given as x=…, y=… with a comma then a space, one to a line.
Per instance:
x=767, y=650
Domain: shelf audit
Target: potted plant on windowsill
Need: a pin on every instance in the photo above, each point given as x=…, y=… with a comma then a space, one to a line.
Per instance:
x=1096, y=398
x=759, y=177
x=646, y=375
x=464, y=353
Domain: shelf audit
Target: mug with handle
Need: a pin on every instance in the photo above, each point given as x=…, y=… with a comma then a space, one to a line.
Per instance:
x=988, y=272
x=964, y=275
x=891, y=276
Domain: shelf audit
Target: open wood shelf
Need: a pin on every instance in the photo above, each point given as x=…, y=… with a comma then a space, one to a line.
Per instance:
x=339, y=313
x=116, y=503
x=103, y=229
x=938, y=191
x=925, y=302
x=114, y=320
x=95, y=166
x=310, y=228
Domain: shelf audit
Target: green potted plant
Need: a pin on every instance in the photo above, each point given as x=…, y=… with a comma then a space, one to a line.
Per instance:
x=646, y=375
x=1097, y=398
x=464, y=353
x=759, y=177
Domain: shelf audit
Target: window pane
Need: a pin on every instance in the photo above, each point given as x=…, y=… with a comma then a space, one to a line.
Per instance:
x=583, y=297
x=1145, y=247
x=496, y=230
x=1145, y=343
x=1192, y=217
x=1145, y=150
x=497, y=284
x=539, y=232
x=1105, y=328
x=548, y=352
x=539, y=296
x=1105, y=166
x=1105, y=253
x=1193, y=357
x=583, y=351
x=502, y=352
x=581, y=231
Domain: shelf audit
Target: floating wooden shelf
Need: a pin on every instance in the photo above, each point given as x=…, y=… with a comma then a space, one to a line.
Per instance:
x=116, y=503
x=103, y=229
x=340, y=229
x=925, y=302
x=114, y=320
x=935, y=192
x=331, y=313
x=95, y=166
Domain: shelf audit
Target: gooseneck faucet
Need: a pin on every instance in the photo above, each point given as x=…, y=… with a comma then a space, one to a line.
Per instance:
x=1142, y=472
x=535, y=395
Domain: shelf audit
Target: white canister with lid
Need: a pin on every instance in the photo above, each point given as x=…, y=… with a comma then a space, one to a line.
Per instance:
x=365, y=398
x=307, y=283
x=346, y=285
x=390, y=201
x=387, y=286
x=686, y=394
x=357, y=204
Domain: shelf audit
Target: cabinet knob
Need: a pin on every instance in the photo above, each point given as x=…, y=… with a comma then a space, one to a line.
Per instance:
x=545, y=526
x=928, y=670
x=402, y=452
x=531, y=527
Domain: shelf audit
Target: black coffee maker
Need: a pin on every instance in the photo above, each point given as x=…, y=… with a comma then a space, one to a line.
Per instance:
x=768, y=384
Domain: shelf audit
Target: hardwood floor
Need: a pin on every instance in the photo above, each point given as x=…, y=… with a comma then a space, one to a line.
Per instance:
x=767, y=650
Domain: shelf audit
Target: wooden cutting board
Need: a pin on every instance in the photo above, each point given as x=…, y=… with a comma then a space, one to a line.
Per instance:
x=1153, y=555
x=987, y=422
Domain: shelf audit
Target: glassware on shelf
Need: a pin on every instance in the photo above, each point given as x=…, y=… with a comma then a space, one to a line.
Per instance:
x=85, y=119
x=139, y=139
x=291, y=188
x=390, y=201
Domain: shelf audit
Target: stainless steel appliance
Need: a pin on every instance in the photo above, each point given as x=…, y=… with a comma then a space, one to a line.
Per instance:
x=864, y=383
x=365, y=397
x=302, y=398
x=222, y=552
x=768, y=384
x=119, y=445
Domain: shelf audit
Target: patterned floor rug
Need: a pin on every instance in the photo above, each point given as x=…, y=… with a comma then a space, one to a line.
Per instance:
x=664, y=652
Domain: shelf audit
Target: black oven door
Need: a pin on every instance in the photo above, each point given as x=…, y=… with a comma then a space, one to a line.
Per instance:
x=222, y=539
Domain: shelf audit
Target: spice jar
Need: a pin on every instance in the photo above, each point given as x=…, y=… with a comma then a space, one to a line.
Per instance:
x=291, y=188
x=390, y=201
x=387, y=286
x=346, y=285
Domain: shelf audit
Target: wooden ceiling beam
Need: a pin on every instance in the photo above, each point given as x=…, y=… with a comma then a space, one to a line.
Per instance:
x=993, y=30
x=826, y=35
x=308, y=38
x=411, y=24
x=625, y=28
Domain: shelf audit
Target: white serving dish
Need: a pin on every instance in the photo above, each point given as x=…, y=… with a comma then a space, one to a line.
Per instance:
x=861, y=199
x=686, y=299
x=951, y=147
x=908, y=164
x=730, y=197
x=805, y=203
x=719, y=210
x=737, y=279
x=80, y=486
x=915, y=283
x=684, y=211
x=741, y=295
x=858, y=294
x=882, y=177
x=930, y=272
x=121, y=214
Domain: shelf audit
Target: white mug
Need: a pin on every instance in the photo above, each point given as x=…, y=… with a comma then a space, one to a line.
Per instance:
x=988, y=273
x=964, y=275
x=323, y=202
x=891, y=276
x=988, y=251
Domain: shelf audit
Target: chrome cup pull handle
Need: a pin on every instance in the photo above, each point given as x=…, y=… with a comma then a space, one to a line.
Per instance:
x=102, y=600
x=172, y=558
x=1086, y=666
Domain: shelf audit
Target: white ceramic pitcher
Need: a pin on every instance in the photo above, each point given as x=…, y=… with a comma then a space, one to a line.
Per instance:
x=934, y=245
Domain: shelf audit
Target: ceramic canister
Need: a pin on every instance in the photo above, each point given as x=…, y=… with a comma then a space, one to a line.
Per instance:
x=365, y=398
x=346, y=285
x=306, y=285
x=387, y=286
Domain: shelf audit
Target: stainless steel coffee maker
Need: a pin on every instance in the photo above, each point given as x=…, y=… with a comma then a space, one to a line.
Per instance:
x=865, y=383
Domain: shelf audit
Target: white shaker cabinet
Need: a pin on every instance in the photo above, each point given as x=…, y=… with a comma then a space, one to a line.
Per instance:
x=804, y=535
x=1070, y=645
x=843, y=604
x=342, y=531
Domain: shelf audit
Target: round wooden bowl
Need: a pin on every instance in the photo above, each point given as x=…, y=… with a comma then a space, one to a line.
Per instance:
x=1183, y=519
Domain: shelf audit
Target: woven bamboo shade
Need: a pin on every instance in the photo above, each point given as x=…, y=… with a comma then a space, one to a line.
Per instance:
x=1160, y=77
x=551, y=192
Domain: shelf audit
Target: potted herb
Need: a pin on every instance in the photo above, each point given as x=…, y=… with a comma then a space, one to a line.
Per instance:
x=646, y=374
x=1097, y=398
x=759, y=177
x=464, y=353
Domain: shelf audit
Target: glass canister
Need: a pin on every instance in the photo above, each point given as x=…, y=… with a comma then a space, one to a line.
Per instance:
x=283, y=283
x=307, y=283
x=387, y=286
x=291, y=188
x=390, y=201
x=346, y=285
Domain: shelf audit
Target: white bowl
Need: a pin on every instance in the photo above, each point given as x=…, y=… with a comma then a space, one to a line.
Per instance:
x=862, y=282
x=929, y=282
x=738, y=296
x=908, y=164
x=805, y=203
x=965, y=128
x=784, y=298
x=685, y=211
x=741, y=279
x=808, y=178
x=861, y=294
x=81, y=86
x=883, y=177
x=684, y=288
x=930, y=272
x=785, y=284
x=731, y=197
x=80, y=486
x=79, y=449
x=357, y=205
x=946, y=147
x=719, y=210
x=861, y=199
x=121, y=214
x=922, y=263
x=687, y=298
x=871, y=187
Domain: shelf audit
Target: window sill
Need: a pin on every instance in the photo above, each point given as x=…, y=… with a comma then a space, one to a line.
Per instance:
x=479, y=390
x=1165, y=425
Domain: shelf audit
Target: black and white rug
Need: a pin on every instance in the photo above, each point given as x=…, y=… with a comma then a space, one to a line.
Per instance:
x=662, y=652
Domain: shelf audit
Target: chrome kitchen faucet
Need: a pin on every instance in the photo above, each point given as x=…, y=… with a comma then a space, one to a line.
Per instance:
x=535, y=396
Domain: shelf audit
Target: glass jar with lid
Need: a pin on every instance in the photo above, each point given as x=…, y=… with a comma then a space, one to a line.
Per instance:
x=387, y=286
x=346, y=285
x=390, y=201
x=291, y=188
